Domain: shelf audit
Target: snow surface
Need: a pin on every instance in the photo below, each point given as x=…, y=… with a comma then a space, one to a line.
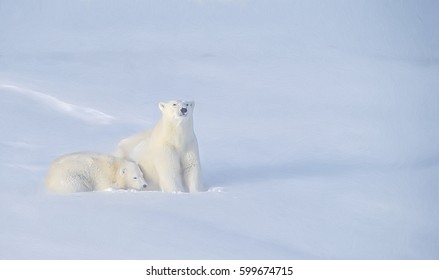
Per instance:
x=317, y=123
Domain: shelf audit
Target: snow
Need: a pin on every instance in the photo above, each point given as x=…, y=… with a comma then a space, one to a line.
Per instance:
x=317, y=123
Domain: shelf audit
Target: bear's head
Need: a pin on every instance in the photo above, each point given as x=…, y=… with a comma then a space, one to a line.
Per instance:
x=131, y=176
x=177, y=109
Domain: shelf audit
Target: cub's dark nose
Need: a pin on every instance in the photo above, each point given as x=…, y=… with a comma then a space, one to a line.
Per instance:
x=145, y=185
x=183, y=110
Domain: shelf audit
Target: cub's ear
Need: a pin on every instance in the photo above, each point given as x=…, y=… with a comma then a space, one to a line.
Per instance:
x=162, y=106
x=123, y=171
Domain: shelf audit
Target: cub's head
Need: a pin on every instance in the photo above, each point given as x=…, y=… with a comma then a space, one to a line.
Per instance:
x=131, y=176
x=177, y=109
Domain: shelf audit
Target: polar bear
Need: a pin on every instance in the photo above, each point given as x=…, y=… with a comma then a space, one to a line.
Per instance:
x=79, y=172
x=168, y=154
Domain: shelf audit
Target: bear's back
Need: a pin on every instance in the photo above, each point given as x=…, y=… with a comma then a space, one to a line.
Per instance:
x=77, y=172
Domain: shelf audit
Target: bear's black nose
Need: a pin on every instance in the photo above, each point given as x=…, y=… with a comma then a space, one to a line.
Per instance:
x=145, y=185
x=183, y=110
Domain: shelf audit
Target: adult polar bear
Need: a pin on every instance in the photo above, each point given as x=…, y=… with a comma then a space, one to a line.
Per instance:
x=168, y=154
x=80, y=172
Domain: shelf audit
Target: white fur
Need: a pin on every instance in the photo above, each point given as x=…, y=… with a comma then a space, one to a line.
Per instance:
x=80, y=172
x=168, y=154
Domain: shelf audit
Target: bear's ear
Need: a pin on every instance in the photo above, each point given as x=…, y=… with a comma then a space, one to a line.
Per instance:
x=123, y=171
x=162, y=106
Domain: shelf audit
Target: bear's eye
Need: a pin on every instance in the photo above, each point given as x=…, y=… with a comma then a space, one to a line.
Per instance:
x=175, y=104
x=135, y=178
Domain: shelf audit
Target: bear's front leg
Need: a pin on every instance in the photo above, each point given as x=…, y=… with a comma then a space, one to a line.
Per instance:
x=169, y=171
x=193, y=178
x=192, y=172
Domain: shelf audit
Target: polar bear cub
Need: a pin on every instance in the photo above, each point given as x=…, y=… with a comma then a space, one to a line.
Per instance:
x=80, y=172
x=168, y=154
